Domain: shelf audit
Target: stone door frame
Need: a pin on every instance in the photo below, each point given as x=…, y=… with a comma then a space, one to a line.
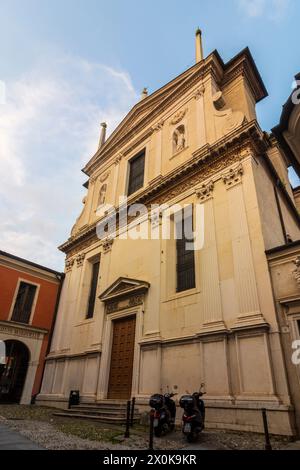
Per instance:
x=102, y=390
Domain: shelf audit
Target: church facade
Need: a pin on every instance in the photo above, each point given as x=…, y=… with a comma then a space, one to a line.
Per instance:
x=143, y=315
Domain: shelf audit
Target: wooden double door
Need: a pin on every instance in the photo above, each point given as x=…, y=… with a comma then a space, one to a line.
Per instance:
x=122, y=353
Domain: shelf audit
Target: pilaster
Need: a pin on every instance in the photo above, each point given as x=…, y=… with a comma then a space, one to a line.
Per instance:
x=210, y=284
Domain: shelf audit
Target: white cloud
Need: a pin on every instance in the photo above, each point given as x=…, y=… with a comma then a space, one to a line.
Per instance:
x=49, y=128
x=273, y=10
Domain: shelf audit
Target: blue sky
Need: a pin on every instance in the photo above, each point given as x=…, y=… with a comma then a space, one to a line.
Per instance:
x=68, y=65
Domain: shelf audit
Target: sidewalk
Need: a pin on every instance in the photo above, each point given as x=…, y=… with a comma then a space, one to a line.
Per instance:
x=11, y=440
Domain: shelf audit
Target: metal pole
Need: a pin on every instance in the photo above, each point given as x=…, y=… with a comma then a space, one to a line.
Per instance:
x=127, y=420
x=132, y=411
x=266, y=429
x=151, y=430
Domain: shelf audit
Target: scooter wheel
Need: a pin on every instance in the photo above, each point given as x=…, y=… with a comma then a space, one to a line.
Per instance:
x=190, y=437
x=158, y=431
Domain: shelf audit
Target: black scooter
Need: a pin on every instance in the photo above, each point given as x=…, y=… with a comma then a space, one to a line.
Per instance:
x=163, y=412
x=193, y=417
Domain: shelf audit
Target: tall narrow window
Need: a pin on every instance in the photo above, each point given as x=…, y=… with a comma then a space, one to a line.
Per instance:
x=93, y=289
x=24, y=302
x=136, y=173
x=298, y=323
x=185, y=268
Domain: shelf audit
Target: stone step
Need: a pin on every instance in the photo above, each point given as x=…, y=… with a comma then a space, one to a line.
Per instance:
x=99, y=411
x=102, y=406
x=106, y=411
x=102, y=419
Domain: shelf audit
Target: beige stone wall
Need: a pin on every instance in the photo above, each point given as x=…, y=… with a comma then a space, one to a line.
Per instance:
x=270, y=221
x=220, y=331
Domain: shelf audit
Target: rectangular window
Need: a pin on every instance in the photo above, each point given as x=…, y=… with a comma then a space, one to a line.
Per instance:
x=23, y=304
x=185, y=268
x=93, y=289
x=298, y=323
x=136, y=173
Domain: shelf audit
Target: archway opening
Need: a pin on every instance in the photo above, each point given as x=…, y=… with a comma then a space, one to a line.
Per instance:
x=13, y=373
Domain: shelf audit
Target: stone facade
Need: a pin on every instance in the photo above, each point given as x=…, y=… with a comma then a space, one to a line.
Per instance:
x=203, y=146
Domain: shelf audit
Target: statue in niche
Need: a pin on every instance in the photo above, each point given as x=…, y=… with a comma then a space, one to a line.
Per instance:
x=179, y=139
x=102, y=195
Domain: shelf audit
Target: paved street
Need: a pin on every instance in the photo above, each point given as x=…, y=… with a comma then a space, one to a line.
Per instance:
x=11, y=440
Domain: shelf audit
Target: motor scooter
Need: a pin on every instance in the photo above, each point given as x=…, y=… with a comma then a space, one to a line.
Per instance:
x=193, y=417
x=163, y=409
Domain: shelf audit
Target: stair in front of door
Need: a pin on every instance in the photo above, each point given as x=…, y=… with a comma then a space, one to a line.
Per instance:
x=106, y=411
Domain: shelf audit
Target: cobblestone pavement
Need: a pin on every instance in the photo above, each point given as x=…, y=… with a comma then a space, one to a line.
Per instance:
x=48, y=436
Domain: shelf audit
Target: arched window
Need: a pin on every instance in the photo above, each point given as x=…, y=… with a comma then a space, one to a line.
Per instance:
x=102, y=194
x=179, y=139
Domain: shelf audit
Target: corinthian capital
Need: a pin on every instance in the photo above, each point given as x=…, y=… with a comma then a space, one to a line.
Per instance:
x=69, y=264
x=205, y=191
x=233, y=176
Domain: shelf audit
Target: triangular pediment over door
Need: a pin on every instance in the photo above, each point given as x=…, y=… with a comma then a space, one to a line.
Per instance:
x=124, y=287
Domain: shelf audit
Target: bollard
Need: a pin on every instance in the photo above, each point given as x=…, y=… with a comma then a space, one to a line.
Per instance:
x=266, y=429
x=132, y=411
x=151, y=430
x=127, y=434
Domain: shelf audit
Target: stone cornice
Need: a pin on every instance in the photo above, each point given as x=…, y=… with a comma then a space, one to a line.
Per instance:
x=205, y=336
x=243, y=65
x=283, y=252
x=249, y=135
x=22, y=329
x=40, y=272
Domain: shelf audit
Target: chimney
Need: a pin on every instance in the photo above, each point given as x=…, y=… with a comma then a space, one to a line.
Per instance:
x=102, y=134
x=199, y=48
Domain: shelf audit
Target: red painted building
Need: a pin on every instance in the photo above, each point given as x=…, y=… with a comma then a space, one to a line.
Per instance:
x=29, y=295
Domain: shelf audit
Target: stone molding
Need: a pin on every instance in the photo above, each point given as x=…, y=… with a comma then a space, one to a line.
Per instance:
x=233, y=176
x=199, y=92
x=156, y=219
x=178, y=116
x=118, y=159
x=79, y=259
x=69, y=264
x=158, y=126
x=107, y=245
x=296, y=271
x=25, y=331
x=207, y=335
x=205, y=191
x=118, y=305
x=104, y=177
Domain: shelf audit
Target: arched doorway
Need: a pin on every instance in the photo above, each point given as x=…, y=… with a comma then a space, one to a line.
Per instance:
x=13, y=373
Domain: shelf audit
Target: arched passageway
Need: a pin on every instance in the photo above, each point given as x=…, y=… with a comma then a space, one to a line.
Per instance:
x=13, y=373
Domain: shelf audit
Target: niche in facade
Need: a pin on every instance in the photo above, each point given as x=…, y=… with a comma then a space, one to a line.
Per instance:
x=102, y=195
x=179, y=139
